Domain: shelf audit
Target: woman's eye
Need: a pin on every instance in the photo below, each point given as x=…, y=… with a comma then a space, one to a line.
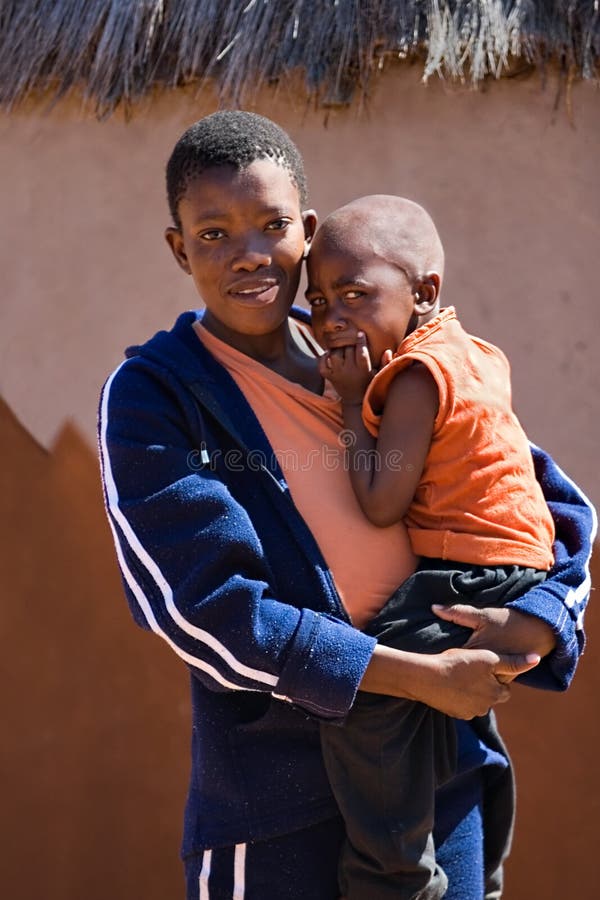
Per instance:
x=278, y=225
x=212, y=235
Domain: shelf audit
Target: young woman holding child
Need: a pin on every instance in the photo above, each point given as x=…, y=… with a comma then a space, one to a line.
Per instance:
x=241, y=543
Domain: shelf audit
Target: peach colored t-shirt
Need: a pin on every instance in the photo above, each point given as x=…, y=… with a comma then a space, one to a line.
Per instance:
x=303, y=428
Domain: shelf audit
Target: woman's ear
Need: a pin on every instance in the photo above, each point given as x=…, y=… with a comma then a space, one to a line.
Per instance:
x=426, y=293
x=174, y=239
x=309, y=218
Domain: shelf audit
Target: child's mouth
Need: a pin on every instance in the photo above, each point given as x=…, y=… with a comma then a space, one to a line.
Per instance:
x=336, y=342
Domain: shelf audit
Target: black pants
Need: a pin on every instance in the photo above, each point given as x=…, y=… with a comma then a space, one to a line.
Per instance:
x=391, y=755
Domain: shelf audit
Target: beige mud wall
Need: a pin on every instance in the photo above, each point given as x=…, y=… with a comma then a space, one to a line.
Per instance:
x=96, y=745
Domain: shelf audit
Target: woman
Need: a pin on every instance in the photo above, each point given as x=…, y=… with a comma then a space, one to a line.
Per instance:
x=241, y=544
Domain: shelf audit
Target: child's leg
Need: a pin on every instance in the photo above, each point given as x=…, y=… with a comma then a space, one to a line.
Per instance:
x=384, y=766
x=371, y=762
x=298, y=866
x=407, y=622
x=386, y=762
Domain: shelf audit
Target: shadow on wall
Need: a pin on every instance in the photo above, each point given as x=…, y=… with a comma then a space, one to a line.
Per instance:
x=97, y=743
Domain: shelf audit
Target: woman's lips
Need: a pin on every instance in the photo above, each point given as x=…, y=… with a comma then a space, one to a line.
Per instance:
x=254, y=293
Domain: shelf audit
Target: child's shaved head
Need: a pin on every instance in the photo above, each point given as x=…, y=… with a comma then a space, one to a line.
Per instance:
x=397, y=230
x=375, y=266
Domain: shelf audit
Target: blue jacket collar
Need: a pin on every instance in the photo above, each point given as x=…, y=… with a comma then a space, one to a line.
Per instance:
x=180, y=352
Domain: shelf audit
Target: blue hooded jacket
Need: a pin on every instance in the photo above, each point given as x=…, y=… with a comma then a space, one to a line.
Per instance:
x=216, y=559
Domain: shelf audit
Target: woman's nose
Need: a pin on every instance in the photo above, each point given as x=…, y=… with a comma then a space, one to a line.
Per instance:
x=250, y=255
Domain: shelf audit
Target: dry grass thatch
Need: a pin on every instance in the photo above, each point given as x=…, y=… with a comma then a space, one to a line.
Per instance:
x=115, y=51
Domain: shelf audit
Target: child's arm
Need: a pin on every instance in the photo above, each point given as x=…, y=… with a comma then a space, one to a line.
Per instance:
x=384, y=471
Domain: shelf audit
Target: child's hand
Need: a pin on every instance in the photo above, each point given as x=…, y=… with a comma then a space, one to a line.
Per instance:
x=349, y=369
x=386, y=357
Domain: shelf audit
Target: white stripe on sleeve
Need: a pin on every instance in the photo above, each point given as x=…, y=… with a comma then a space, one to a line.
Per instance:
x=577, y=595
x=199, y=634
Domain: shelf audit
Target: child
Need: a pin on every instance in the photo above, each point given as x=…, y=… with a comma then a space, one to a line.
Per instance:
x=432, y=439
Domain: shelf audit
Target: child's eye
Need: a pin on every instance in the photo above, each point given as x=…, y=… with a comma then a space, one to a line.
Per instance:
x=213, y=234
x=316, y=301
x=354, y=294
x=278, y=225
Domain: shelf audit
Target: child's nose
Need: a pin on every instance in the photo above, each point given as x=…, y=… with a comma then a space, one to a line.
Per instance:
x=334, y=319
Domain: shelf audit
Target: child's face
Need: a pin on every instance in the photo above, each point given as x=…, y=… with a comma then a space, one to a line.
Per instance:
x=242, y=239
x=352, y=289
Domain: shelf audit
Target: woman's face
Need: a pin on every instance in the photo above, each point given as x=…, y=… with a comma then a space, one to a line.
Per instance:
x=242, y=239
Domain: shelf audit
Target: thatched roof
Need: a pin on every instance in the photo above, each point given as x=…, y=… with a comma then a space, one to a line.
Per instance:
x=115, y=51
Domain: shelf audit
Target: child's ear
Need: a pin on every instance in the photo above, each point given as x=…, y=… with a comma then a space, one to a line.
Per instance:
x=174, y=239
x=309, y=219
x=426, y=293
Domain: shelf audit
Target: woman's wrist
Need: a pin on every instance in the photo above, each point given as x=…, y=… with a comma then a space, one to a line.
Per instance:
x=393, y=672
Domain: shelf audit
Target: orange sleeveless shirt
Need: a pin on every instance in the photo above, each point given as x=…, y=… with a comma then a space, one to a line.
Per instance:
x=478, y=500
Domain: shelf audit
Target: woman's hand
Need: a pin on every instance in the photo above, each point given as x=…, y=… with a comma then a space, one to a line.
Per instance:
x=461, y=682
x=501, y=630
x=467, y=683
